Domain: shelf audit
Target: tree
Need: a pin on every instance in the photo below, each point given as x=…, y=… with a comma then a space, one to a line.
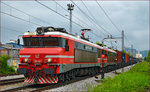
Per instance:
x=101, y=44
x=5, y=68
x=125, y=52
x=148, y=57
x=144, y=58
x=98, y=43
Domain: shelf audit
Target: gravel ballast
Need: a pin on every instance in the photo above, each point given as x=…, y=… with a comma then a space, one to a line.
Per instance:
x=83, y=85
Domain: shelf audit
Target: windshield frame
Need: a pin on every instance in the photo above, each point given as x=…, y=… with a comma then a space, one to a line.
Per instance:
x=41, y=42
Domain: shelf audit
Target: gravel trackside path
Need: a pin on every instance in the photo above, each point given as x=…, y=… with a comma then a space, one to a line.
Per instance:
x=83, y=85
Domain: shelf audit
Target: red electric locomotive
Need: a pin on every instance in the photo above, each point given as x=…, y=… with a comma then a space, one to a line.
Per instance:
x=51, y=55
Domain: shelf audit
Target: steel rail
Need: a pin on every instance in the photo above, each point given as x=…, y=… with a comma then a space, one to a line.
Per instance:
x=11, y=81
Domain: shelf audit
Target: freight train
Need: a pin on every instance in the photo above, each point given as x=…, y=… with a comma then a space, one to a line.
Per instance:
x=51, y=55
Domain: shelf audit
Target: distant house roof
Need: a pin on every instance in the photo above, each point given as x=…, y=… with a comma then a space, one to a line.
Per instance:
x=1, y=48
x=15, y=45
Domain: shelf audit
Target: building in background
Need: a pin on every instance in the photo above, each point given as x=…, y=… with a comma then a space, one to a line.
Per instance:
x=128, y=50
x=144, y=53
x=12, y=49
x=138, y=55
x=3, y=51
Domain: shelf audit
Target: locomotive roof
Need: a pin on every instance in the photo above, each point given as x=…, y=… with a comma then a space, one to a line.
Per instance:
x=73, y=37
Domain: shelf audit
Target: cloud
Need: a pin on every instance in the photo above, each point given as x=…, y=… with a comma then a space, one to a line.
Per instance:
x=130, y=16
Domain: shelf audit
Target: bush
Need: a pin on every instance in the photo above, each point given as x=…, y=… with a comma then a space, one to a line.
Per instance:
x=5, y=68
x=135, y=80
x=148, y=57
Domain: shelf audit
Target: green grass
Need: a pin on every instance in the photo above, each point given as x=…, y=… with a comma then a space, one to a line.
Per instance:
x=136, y=79
x=5, y=68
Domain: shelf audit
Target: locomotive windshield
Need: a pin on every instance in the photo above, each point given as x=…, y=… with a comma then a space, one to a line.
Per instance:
x=42, y=41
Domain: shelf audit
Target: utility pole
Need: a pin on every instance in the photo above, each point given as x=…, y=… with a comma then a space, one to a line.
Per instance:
x=122, y=37
x=123, y=51
x=131, y=52
x=70, y=8
x=122, y=40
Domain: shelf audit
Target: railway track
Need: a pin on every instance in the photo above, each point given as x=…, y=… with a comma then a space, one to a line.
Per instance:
x=41, y=87
x=4, y=75
x=11, y=81
x=48, y=87
x=36, y=87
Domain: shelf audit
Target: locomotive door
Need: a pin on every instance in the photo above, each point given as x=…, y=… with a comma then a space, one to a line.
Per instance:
x=123, y=57
x=130, y=60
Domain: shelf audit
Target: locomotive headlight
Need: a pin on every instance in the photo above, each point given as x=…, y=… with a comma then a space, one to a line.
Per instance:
x=49, y=60
x=40, y=31
x=26, y=60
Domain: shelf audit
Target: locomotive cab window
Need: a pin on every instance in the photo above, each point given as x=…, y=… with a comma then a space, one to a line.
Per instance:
x=66, y=46
x=42, y=42
x=50, y=41
x=31, y=41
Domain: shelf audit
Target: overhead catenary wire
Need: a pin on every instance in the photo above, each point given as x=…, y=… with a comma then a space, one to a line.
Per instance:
x=67, y=10
x=107, y=16
x=127, y=39
x=33, y=22
x=13, y=32
x=88, y=17
x=57, y=13
x=94, y=18
x=25, y=13
x=78, y=18
x=111, y=21
x=11, y=29
x=19, y=18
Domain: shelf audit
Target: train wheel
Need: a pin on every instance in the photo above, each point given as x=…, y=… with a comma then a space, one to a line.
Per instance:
x=68, y=76
x=89, y=71
x=61, y=78
x=93, y=71
x=73, y=74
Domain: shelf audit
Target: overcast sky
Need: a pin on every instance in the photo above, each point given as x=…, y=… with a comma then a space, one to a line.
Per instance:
x=130, y=16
